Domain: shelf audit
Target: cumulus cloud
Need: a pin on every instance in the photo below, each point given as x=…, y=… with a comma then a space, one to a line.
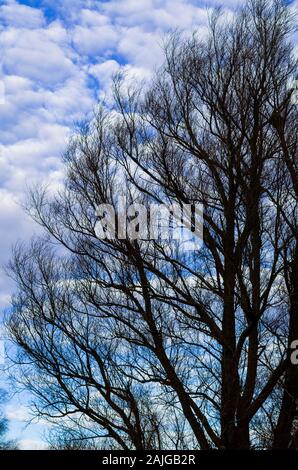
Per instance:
x=159, y=15
x=14, y=14
x=35, y=55
x=95, y=40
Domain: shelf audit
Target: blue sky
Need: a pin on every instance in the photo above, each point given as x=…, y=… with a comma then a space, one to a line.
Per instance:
x=57, y=61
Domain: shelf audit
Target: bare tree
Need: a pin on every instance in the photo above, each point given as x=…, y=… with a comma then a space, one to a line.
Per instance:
x=5, y=444
x=141, y=343
x=284, y=195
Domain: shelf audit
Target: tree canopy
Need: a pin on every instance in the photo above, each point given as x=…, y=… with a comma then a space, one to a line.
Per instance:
x=137, y=343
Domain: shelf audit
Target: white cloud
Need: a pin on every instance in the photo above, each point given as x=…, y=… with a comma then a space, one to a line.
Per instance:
x=93, y=18
x=20, y=413
x=104, y=71
x=33, y=54
x=159, y=15
x=14, y=14
x=140, y=47
x=31, y=444
x=95, y=40
x=4, y=302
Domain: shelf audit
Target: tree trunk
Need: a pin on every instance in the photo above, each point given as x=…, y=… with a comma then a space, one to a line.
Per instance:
x=283, y=431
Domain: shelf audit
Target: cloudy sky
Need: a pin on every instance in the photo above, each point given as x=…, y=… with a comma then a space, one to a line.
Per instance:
x=57, y=58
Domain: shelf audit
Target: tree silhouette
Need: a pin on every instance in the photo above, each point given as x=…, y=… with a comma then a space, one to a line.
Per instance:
x=139, y=343
x=5, y=444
